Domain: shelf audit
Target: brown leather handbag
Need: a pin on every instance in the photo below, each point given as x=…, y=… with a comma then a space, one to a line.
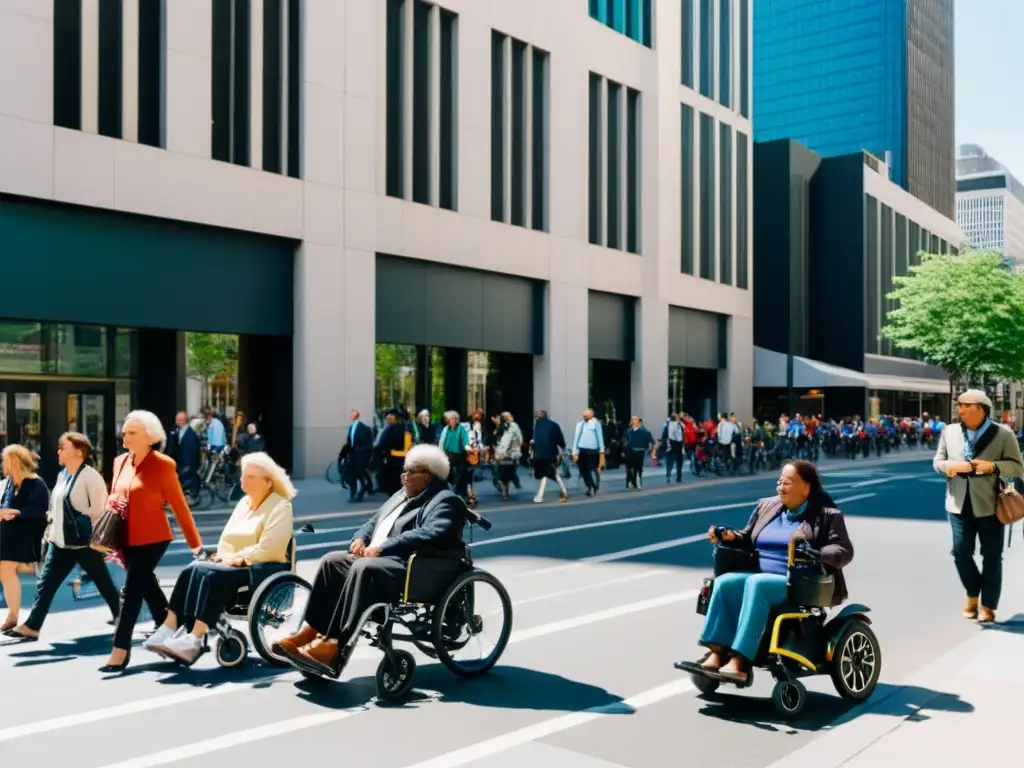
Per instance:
x=1009, y=502
x=108, y=534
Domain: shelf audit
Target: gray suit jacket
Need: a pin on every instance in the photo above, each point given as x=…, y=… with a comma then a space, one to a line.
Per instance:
x=1001, y=449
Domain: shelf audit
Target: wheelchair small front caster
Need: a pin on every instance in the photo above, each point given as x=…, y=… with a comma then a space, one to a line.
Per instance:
x=393, y=684
x=232, y=649
x=789, y=698
x=704, y=684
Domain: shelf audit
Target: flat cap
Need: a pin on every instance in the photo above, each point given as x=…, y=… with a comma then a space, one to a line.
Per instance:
x=974, y=397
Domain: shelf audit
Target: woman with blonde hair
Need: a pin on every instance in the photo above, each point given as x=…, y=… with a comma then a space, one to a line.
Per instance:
x=253, y=546
x=23, y=501
x=77, y=501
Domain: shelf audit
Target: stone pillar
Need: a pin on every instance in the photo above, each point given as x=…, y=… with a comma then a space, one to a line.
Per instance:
x=650, y=368
x=189, y=110
x=560, y=374
x=736, y=380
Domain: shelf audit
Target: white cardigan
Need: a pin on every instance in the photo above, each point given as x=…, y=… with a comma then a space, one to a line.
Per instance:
x=89, y=496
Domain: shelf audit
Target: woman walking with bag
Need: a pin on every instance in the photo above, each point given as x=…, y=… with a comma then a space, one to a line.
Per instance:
x=134, y=527
x=23, y=498
x=77, y=502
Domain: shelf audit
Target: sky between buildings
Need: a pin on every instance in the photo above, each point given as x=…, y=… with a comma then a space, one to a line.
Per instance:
x=989, y=38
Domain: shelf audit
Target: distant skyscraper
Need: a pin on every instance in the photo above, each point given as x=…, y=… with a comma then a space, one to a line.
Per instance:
x=989, y=204
x=841, y=76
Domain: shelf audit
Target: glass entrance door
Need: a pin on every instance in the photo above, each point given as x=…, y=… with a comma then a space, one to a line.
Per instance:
x=86, y=413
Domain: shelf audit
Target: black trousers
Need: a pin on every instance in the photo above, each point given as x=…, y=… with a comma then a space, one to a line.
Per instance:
x=140, y=585
x=634, y=465
x=588, y=462
x=460, y=475
x=58, y=566
x=204, y=590
x=969, y=532
x=345, y=586
x=357, y=475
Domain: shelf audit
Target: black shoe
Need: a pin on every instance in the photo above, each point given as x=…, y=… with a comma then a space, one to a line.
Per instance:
x=116, y=669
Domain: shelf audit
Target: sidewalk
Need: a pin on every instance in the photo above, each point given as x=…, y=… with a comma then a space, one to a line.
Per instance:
x=318, y=497
x=964, y=708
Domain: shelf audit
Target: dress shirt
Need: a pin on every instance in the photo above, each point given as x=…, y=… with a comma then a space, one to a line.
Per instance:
x=589, y=436
x=385, y=524
x=675, y=431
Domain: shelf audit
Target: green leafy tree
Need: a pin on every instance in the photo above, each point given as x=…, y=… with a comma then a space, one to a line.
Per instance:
x=963, y=313
x=210, y=355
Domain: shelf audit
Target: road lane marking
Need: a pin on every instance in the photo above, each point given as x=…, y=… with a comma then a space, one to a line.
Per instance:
x=554, y=725
x=237, y=739
x=597, y=585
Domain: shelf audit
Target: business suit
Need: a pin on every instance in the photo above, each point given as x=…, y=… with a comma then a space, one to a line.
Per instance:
x=358, y=449
x=971, y=506
x=346, y=584
x=183, y=447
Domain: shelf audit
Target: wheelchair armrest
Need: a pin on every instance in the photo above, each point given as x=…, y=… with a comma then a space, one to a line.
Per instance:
x=475, y=518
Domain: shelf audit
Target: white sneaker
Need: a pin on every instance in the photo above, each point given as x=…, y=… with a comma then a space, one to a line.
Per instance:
x=538, y=499
x=161, y=636
x=184, y=648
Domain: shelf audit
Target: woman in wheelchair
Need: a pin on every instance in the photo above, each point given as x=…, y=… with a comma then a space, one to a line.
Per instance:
x=424, y=518
x=742, y=601
x=253, y=546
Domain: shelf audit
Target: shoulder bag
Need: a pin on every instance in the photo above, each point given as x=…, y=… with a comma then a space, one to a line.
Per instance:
x=76, y=525
x=1009, y=502
x=108, y=533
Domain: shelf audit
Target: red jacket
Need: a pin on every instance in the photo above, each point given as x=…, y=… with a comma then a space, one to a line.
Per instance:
x=147, y=487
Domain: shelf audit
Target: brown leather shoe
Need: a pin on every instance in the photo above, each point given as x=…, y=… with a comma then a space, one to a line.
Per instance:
x=986, y=615
x=304, y=637
x=971, y=608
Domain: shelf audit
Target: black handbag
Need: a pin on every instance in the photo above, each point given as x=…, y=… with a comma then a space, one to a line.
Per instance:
x=77, y=526
x=734, y=559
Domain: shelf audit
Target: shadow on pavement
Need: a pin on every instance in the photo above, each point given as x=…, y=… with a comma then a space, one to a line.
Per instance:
x=504, y=688
x=825, y=712
x=53, y=653
x=1014, y=625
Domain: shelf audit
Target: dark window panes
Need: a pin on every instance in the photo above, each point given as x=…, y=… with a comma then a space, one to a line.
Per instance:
x=539, y=204
x=125, y=355
x=273, y=77
x=449, y=96
x=421, y=130
x=687, y=43
x=744, y=57
x=293, y=109
x=22, y=348
x=633, y=171
x=742, y=217
x=151, y=74
x=67, y=63
x=110, y=69
x=594, y=179
x=872, y=304
x=614, y=137
x=518, y=135
x=725, y=203
x=706, y=198
x=725, y=52
x=688, y=173
x=394, y=98
x=707, y=48
x=497, y=126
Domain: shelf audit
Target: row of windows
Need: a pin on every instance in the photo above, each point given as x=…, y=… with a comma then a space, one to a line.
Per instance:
x=700, y=19
x=631, y=18
x=701, y=219
x=109, y=75
x=520, y=85
x=613, y=205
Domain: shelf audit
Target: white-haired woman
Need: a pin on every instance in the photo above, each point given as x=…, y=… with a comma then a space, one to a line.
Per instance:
x=253, y=546
x=144, y=481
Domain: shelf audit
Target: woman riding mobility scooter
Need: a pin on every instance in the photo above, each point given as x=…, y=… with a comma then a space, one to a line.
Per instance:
x=777, y=579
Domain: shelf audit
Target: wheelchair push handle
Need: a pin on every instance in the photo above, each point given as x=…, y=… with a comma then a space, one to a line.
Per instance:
x=475, y=518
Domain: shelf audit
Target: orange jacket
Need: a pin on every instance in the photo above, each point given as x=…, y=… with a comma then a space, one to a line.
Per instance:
x=147, y=487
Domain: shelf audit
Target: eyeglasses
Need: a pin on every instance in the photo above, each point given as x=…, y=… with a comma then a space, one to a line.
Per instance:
x=408, y=472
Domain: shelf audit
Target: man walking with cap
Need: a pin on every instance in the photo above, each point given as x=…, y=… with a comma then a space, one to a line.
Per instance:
x=974, y=454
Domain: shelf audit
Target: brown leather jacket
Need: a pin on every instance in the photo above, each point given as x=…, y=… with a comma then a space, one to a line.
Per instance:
x=823, y=528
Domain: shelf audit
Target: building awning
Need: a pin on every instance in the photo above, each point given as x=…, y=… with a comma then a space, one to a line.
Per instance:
x=770, y=371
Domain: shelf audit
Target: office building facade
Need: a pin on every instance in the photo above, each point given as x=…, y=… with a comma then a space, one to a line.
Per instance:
x=428, y=204
x=842, y=76
x=831, y=234
x=989, y=204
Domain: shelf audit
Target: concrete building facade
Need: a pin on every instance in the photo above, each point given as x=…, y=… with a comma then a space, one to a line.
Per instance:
x=324, y=177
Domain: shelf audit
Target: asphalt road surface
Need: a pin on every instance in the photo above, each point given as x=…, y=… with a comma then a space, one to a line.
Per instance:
x=604, y=603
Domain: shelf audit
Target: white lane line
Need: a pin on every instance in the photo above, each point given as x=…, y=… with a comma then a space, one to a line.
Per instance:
x=237, y=739
x=597, y=585
x=546, y=728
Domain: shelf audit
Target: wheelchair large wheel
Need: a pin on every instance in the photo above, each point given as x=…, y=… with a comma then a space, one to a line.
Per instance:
x=232, y=649
x=275, y=612
x=857, y=662
x=393, y=684
x=463, y=621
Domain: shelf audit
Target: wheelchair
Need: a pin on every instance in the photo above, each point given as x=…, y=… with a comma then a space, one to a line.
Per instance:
x=437, y=622
x=800, y=640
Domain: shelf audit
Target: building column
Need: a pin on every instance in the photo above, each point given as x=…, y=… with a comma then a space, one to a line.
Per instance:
x=736, y=380
x=189, y=110
x=650, y=367
x=560, y=374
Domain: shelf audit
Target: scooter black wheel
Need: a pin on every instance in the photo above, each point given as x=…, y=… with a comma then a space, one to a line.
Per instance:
x=857, y=662
x=704, y=684
x=789, y=698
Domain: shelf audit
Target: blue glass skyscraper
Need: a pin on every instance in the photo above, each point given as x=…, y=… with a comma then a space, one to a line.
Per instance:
x=841, y=76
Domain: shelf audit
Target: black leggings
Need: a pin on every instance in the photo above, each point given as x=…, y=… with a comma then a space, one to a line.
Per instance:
x=204, y=590
x=140, y=584
x=59, y=564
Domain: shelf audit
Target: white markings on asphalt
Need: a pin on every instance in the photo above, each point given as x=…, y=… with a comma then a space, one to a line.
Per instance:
x=554, y=725
x=237, y=739
x=597, y=585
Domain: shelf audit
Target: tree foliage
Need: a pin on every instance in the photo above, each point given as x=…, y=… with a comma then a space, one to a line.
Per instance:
x=211, y=354
x=964, y=313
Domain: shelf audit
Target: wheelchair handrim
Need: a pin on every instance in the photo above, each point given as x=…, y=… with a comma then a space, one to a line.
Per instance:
x=468, y=607
x=281, y=612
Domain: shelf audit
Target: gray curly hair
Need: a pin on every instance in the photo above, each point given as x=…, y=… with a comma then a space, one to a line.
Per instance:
x=428, y=458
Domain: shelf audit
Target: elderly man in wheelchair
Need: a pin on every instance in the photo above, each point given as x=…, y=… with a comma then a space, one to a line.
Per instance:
x=423, y=522
x=256, y=543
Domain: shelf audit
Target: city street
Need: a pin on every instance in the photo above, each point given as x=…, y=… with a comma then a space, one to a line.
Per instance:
x=603, y=591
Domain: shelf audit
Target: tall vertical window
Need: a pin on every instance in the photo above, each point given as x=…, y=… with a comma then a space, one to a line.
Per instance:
x=151, y=73
x=872, y=306
x=725, y=52
x=595, y=162
x=282, y=74
x=725, y=203
x=744, y=57
x=707, y=197
x=67, y=63
x=230, y=86
x=707, y=48
x=913, y=242
x=686, y=33
x=519, y=105
x=686, y=217
x=421, y=103
x=627, y=17
x=614, y=165
x=110, y=69
x=742, y=215
x=886, y=268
